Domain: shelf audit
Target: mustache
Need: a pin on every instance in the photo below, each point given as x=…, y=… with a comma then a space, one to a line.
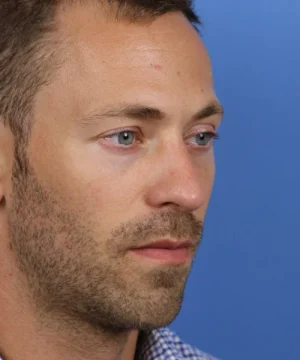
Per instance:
x=183, y=226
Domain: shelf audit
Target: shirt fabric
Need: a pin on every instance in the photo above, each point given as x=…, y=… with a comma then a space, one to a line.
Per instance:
x=164, y=344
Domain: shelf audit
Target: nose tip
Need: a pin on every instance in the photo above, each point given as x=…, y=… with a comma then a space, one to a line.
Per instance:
x=183, y=189
x=189, y=195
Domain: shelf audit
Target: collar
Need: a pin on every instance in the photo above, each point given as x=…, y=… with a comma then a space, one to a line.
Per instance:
x=165, y=344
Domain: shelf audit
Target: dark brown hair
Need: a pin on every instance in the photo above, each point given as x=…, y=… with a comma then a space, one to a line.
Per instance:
x=27, y=49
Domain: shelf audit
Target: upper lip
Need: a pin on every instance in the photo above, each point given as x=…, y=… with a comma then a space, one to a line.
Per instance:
x=166, y=244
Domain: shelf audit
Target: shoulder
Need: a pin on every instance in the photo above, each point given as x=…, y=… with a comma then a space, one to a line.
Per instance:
x=165, y=344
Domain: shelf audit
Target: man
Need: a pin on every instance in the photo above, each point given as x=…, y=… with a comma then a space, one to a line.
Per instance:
x=107, y=121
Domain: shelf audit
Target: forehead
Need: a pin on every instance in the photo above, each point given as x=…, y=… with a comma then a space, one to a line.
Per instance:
x=108, y=60
x=95, y=37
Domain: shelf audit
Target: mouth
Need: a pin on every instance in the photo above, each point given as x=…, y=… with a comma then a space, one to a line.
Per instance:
x=166, y=251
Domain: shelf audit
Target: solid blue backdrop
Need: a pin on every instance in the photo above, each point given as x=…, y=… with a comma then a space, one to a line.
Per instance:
x=243, y=296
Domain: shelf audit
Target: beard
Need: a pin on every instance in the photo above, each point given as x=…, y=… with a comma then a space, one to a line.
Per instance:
x=73, y=274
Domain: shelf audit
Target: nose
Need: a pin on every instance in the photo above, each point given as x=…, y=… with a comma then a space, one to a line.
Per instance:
x=179, y=181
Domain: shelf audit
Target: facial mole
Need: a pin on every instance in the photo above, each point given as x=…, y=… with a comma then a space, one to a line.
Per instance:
x=156, y=66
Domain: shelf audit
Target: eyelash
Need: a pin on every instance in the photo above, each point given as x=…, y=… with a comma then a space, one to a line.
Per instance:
x=213, y=136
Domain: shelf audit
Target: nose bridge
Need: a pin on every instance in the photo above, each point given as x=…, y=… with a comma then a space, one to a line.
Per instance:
x=173, y=156
x=181, y=171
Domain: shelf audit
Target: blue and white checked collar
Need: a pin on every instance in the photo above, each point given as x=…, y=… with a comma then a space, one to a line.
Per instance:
x=164, y=344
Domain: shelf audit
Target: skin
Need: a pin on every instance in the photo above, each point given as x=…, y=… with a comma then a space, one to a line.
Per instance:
x=70, y=287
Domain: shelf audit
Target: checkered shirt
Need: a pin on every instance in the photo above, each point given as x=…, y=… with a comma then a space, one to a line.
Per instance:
x=164, y=344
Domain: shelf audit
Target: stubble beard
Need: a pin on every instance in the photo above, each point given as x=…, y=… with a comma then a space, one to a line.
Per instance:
x=71, y=276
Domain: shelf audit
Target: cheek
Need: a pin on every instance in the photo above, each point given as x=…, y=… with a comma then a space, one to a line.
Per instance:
x=206, y=173
x=211, y=174
x=106, y=199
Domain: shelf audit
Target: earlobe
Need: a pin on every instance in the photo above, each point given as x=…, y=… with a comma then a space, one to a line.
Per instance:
x=2, y=191
x=1, y=183
x=2, y=203
x=6, y=159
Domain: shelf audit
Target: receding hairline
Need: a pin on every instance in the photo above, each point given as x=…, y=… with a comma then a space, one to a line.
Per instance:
x=124, y=11
x=58, y=39
x=114, y=10
x=32, y=56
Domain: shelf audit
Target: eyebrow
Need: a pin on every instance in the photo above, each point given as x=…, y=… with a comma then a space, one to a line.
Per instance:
x=141, y=112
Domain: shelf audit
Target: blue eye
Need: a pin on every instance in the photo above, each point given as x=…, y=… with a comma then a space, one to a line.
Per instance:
x=124, y=138
x=203, y=138
x=127, y=138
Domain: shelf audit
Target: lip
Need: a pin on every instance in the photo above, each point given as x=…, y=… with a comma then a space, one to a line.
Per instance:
x=166, y=244
x=166, y=251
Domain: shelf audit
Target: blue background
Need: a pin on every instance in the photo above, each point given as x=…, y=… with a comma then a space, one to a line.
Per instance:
x=243, y=297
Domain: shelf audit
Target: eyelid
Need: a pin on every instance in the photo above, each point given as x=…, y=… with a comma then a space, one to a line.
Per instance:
x=202, y=128
x=137, y=131
x=118, y=131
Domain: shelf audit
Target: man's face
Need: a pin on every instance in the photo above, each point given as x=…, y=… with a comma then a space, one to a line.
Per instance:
x=100, y=185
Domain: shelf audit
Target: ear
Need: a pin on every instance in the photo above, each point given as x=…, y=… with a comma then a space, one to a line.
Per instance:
x=6, y=159
x=1, y=183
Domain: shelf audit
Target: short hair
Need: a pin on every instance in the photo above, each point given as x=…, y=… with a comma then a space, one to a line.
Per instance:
x=27, y=49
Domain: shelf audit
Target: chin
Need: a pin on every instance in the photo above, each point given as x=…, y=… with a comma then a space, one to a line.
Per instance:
x=159, y=318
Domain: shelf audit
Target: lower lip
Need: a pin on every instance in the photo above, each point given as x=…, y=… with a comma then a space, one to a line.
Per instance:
x=179, y=255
